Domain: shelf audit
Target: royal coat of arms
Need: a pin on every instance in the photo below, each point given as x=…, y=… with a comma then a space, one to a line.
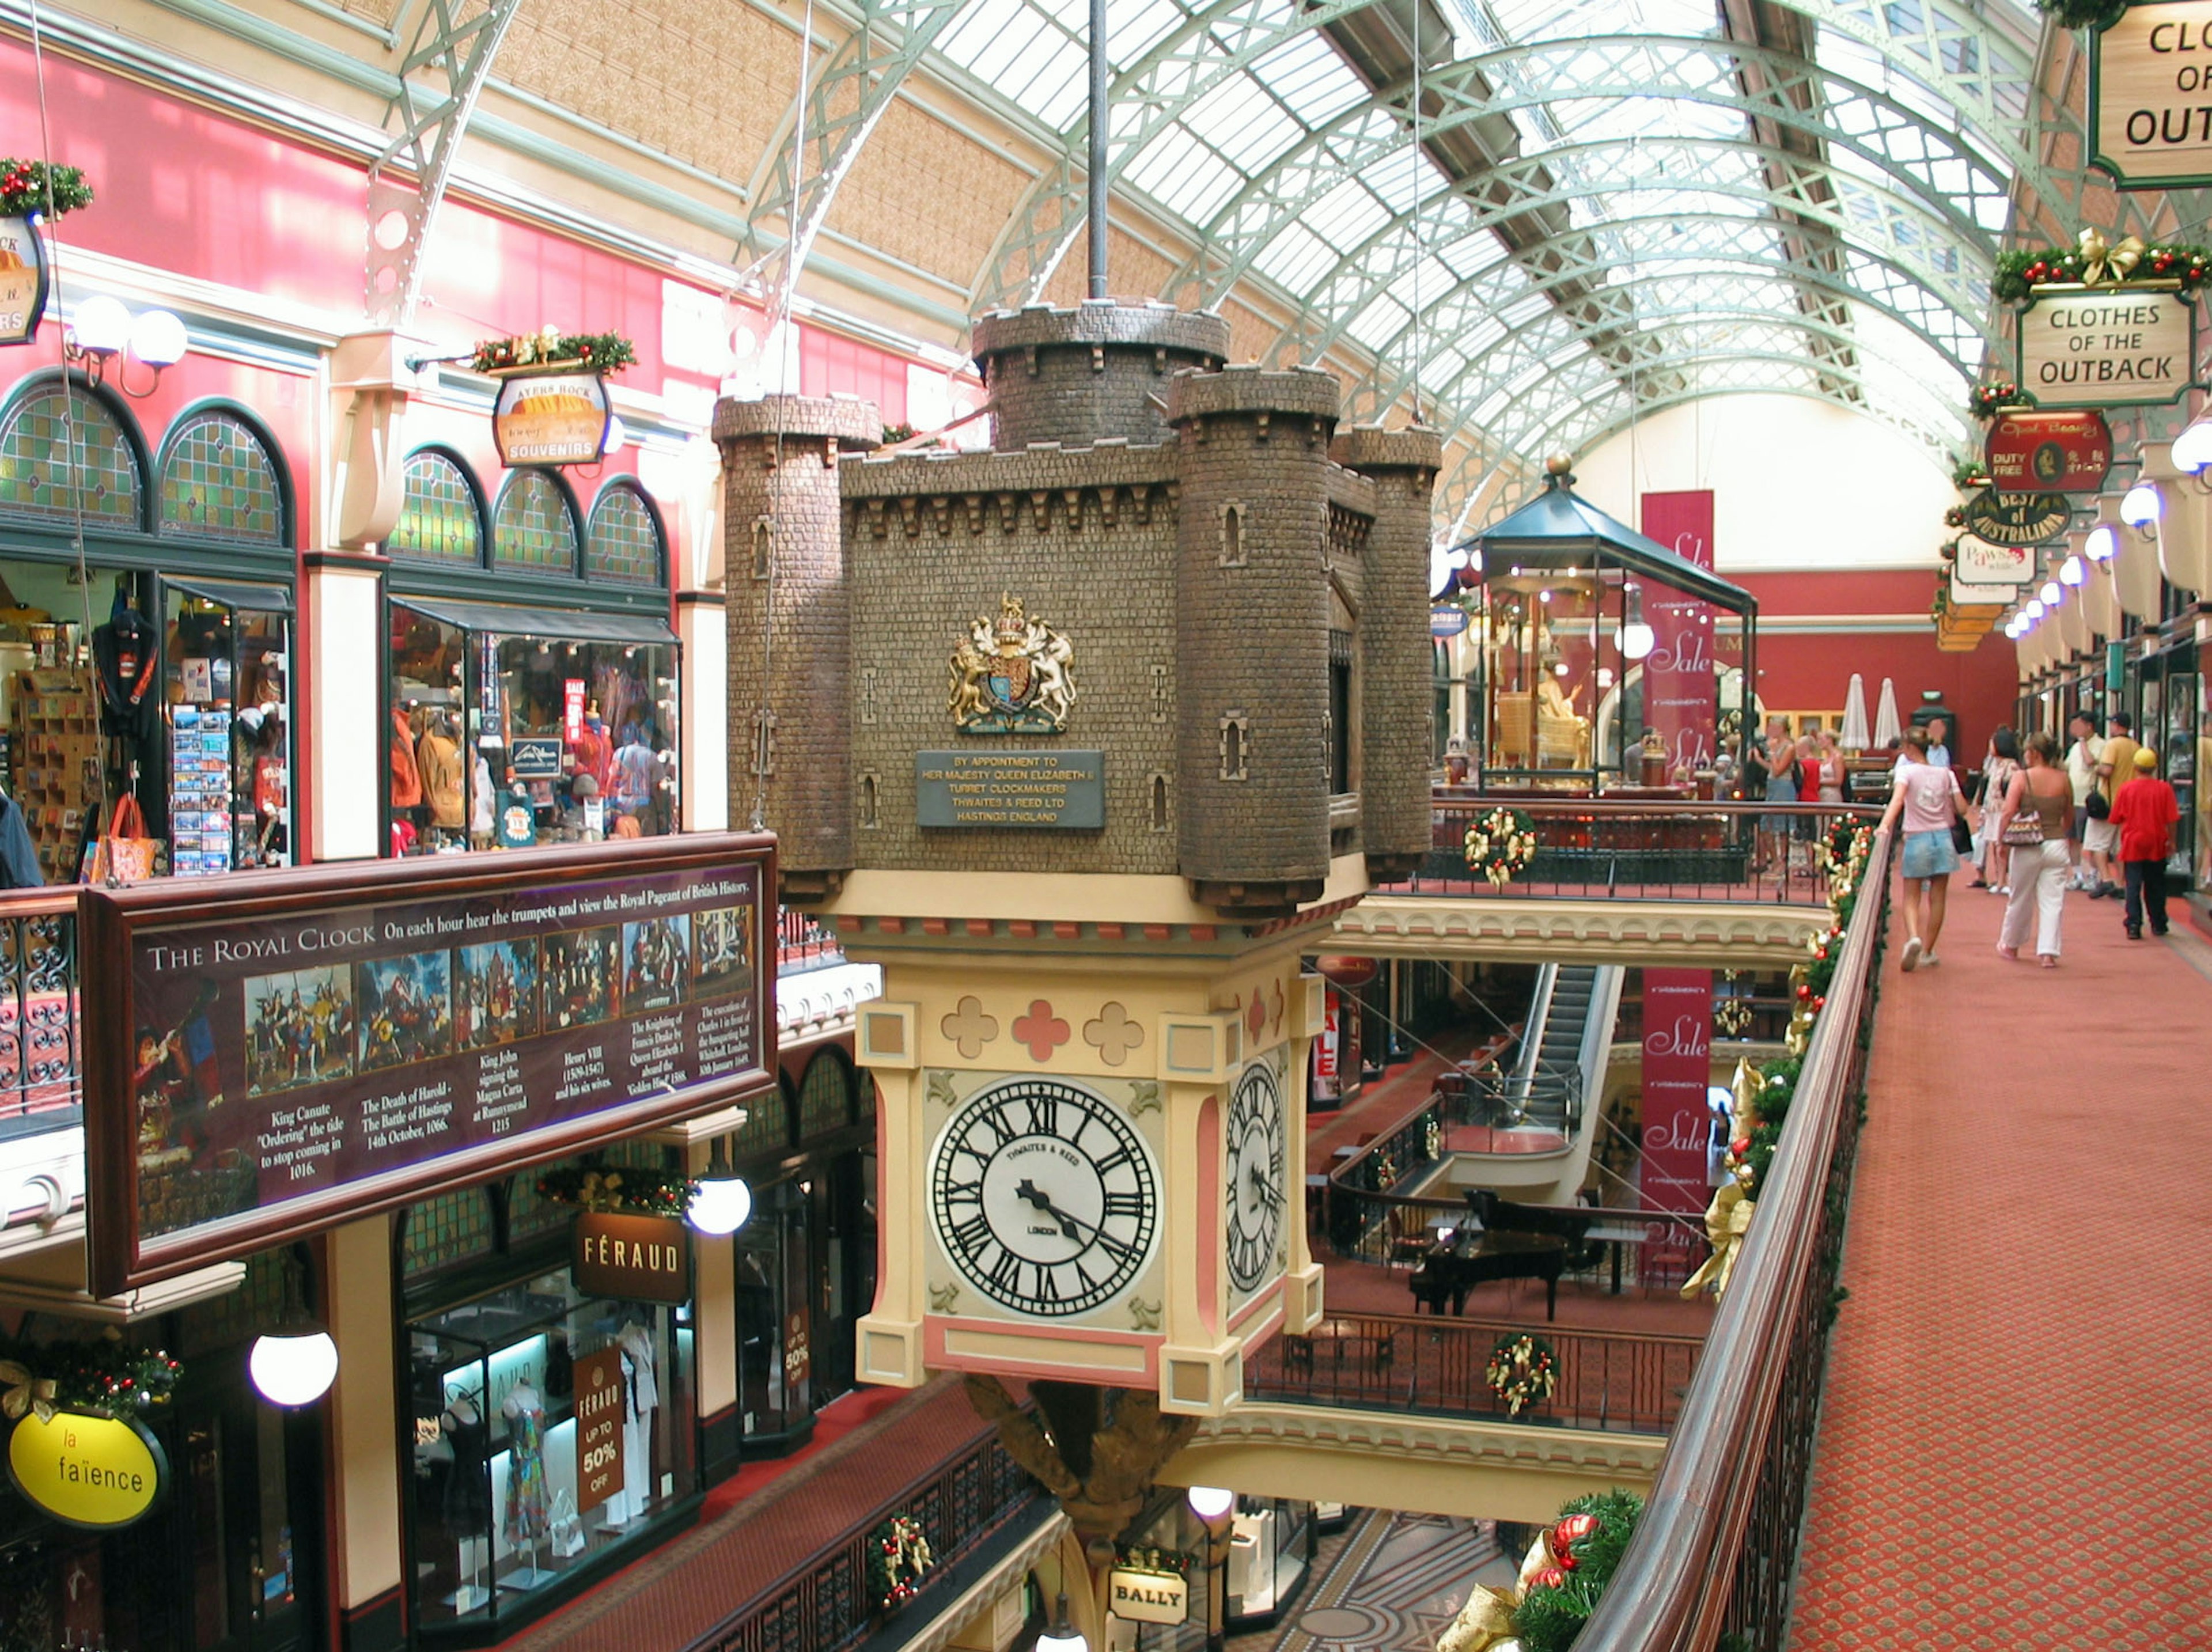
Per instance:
x=1013, y=675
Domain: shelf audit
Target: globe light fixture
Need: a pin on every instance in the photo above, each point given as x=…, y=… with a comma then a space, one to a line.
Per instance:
x=2101, y=544
x=294, y=1362
x=2051, y=595
x=103, y=333
x=617, y=436
x=1637, y=640
x=2035, y=611
x=2192, y=448
x=1211, y=1502
x=100, y=329
x=2141, y=507
x=1062, y=1636
x=723, y=1203
x=2070, y=572
x=157, y=338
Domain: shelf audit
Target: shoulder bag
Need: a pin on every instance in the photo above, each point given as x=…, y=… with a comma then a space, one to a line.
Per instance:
x=123, y=853
x=2025, y=829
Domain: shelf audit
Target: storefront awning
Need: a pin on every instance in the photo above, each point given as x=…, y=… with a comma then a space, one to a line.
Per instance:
x=236, y=593
x=562, y=624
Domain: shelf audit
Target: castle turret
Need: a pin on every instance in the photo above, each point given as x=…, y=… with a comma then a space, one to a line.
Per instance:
x=1098, y=371
x=789, y=606
x=1254, y=692
x=1397, y=696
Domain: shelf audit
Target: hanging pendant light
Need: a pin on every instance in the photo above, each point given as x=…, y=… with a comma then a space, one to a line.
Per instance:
x=294, y=1363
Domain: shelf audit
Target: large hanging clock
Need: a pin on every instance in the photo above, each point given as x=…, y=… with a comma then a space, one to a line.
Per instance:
x=1045, y=1197
x=2022, y=518
x=1254, y=1192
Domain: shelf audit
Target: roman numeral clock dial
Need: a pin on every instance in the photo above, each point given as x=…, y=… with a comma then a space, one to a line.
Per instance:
x=1045, y=1197
x=1255, y=1175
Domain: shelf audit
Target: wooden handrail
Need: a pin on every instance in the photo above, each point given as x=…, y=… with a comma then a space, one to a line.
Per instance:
x=1674, y=1582
x=1650, y=806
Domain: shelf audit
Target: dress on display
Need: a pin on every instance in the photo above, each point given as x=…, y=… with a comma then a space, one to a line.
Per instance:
x=468, y=1487
x=527, y=1520
x=637, y=1354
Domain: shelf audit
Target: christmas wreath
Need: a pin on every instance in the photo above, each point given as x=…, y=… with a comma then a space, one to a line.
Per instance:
x=99, y=1376
x=2082, y=14
x=1501, y=845
x=600, y=1186
x=24, y=187
x=1732, y=1016
x=1584, y=1547
x=549, y=346
x=2094, y=261
x=1523, y=1372
x=1984, y=401
x=899, y=1558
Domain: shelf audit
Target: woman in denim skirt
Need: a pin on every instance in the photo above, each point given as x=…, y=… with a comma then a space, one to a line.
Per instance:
x=1926, y=799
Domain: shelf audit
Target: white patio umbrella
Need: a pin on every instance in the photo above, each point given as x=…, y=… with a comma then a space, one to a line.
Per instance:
x=1855, y=723
x=1887, y=731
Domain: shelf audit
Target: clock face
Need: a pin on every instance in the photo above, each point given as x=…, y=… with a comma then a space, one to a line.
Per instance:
x=1255, y=1178
x=1044, y=1197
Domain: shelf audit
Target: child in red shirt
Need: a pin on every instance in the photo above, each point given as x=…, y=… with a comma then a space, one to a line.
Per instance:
x=2145, y=810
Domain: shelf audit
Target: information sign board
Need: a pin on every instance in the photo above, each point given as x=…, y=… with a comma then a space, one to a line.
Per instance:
x=2110, y=347
x=2150, y=95
x=1010, y=790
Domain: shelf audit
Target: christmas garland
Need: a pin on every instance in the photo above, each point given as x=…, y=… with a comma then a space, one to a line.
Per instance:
x=899, y=1558
x=2096, y=262
x=1984, y=401
x=597, y=1186
x=1523, y=1372
x=601, y=352
x=1585, y=1546
x=1501, y=845
x=1732, y=1017
x=1970, y=474
x=2082, y=14
x=24, y=186
x=99, y=1375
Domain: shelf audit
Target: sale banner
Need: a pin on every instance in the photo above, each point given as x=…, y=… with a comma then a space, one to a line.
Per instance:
x=1680, y=690
x=1678, y=1068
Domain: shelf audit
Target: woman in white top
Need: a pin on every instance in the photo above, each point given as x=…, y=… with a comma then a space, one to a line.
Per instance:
x=1998, y=768
x=1926, y=799
x=1831, y=767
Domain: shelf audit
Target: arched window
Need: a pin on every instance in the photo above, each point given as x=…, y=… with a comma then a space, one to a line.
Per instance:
x=624, y=546
x=36, y=477
x=219, y=482
x=440, y=522
x=533, y=527
x=825, y=1097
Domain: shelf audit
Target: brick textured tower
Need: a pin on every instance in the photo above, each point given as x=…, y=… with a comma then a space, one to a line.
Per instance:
x=1253, y=635
x=789, y=607
x=1396, y=674
x=1096, y=373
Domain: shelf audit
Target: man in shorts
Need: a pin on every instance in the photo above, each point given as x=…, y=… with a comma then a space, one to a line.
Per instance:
x=2116, y=767
x=2082, y=760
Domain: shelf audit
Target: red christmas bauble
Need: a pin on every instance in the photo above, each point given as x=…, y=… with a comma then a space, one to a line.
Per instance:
x=1804, y=992
x=1551, y=1578
x=1821, y=1003
x=1578, y=1526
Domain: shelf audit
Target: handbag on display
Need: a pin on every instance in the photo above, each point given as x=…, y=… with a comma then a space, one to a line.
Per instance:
x=122, y=853
x=568, y=1526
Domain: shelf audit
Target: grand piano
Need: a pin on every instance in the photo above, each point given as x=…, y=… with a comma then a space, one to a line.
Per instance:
x=1500, y=1240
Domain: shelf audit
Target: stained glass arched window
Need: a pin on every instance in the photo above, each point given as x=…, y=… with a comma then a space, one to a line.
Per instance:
x=219, y=482
x=533, y=527
x=825, y=1097
x=438, y=522
x=36, y=477
x=624, y=546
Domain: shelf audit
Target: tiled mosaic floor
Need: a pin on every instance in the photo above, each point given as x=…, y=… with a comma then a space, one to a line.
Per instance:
x=1389, y=1583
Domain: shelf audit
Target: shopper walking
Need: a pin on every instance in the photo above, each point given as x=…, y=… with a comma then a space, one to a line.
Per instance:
x=2144, y=813
x=1998, y=767
x=2082, y=760
x=2116, y=767
x=2033, y=826
x=1927, y=799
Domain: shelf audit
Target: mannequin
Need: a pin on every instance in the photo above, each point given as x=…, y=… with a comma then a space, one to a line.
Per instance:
x=480, y=805
x=468, y=1495
x=592, y=751
x=438, y=760
x=526, y=1520
x=644, y=1396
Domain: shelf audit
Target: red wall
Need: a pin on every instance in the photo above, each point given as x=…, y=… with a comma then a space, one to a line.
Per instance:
x=1807, y=671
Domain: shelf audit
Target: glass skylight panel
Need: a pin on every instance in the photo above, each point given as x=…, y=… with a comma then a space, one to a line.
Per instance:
x=1244, y=125
x=995, y=35
x=1379, y=323
x=1311, y=79
x=1184, y=175
x=1297, y=259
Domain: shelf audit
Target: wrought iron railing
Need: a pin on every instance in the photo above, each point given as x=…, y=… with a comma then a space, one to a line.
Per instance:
x=1624, y=1380
x=1594, y=848
x=1717, y=1545
x=824, y=1603
x=40, y=1072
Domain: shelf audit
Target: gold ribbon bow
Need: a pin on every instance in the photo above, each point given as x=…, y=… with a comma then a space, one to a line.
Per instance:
x=602, y=1193
x=1727, y=1219
x=26, y=1392
x=2101, y=261
x=1486, y=1622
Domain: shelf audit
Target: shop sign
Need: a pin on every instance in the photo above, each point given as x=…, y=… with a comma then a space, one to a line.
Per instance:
x=1678, y=1073
x=571, y=709
x=99, y=1472
x=2004, y=519
x=599, y=1416
x=326, y=1043
x=1147, y=1597
x=2148, y=86
x=535, y=759
x=2049, y=453
x=1980, y=562
x=798, y=1353
x=23, y=281
x=641, y=1258
x=1977, y=596
x=550, y=418
x=1447, y=620
x=1011, y=791
x=1679, y=675
x=1325, y=1061
x=2109, y=347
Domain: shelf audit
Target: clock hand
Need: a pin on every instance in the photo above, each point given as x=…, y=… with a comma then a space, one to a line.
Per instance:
x=1267, y=1189
x=1068, y=1224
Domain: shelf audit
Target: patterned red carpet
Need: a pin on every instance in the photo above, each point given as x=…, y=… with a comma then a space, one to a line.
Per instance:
x=2016, y=1426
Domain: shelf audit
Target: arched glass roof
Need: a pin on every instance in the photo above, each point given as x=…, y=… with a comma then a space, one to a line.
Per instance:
x=1593, y=208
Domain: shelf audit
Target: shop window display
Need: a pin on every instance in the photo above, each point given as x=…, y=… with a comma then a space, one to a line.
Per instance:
x=229, y=652
x=550, y=1428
